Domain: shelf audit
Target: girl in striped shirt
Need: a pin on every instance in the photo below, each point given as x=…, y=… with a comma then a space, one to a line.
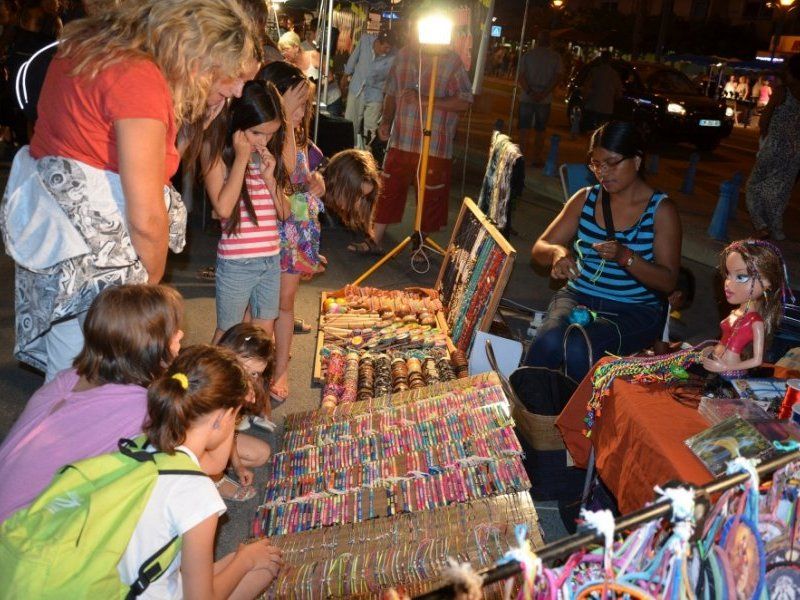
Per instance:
x=245, y=184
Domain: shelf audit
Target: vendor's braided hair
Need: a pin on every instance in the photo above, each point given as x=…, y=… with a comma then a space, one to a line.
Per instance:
x=765, y=264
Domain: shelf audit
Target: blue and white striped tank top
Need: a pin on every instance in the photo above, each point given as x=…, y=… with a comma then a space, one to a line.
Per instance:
x=606, y=279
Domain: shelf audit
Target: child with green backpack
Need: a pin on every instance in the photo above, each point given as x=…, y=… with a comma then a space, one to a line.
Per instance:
x=141, y=522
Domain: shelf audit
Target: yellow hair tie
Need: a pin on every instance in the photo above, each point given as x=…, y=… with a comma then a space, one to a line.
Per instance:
x=182, y=379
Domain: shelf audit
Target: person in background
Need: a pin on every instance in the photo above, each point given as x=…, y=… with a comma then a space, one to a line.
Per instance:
x=764, y=93
x=132, y=333
x=617, y=245
x=309, y=42
x=540, y=71
x=99, y=166
x=38, y=25
x=601, y=89
x=729, y=91
x=774, y=173
x=400, y=125
x=743, y=89
x=308, y=61
x=366, y=71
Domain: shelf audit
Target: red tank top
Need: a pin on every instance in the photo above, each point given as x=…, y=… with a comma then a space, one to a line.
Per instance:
x=735, y=337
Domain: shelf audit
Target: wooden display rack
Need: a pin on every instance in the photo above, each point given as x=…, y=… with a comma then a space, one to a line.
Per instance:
x=470, y=210
x=318, y=374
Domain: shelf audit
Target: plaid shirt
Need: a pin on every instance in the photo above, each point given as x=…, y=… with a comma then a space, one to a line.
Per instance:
x=451, y=80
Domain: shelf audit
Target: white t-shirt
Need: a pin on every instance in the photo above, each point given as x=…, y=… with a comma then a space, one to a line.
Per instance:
x=178, y=503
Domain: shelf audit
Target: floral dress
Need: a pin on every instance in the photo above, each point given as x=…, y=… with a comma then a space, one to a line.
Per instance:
x=300, y=231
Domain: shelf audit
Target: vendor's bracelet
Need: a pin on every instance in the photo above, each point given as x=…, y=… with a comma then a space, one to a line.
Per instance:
x=628, y=261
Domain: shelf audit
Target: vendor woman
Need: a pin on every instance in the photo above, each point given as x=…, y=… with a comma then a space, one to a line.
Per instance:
x=618, y=246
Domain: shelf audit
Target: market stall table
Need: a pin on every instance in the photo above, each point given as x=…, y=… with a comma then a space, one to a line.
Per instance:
x=638, y=439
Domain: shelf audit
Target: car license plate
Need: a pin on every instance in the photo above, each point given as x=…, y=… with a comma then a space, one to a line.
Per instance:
x=710, y=123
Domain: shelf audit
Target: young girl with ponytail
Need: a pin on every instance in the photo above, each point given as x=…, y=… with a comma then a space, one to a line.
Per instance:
x=192, y=408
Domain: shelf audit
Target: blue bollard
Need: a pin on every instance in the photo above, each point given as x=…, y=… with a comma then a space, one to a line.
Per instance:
x=691, y=171
x=551, y=164
x=736, y=182
x=652, y=164
x=718, y=228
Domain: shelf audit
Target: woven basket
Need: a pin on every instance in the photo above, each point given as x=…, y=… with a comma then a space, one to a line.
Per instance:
x=539, y=431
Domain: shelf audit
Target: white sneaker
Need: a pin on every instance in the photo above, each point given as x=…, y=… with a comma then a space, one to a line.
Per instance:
x=244, y=425
x=263, y=423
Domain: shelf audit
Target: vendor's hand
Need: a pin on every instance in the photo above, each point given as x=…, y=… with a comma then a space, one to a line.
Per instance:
x=611, y=250
x=241, y=145
x=564, y=267
x=315, y=184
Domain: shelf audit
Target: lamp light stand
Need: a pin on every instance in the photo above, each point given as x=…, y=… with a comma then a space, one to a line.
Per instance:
x=417, y=234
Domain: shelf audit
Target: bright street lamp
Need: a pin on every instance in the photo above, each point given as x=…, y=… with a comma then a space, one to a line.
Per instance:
x=435, y=30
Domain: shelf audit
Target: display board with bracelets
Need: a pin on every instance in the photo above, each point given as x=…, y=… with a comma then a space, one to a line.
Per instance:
x=412, y=477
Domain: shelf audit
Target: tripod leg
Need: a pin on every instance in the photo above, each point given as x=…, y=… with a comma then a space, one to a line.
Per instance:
x=434, y=245
x=389, y=255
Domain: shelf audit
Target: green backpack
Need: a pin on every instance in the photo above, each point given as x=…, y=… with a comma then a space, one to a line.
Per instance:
x=67, y=544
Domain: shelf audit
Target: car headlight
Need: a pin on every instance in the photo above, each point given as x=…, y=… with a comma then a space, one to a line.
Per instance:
x=675, y=108
x=729, y=112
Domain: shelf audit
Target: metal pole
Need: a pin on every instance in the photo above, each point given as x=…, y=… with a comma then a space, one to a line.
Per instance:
x=576, y=542
x=519, y=62
x=321, y=19
x=778, y=32
x=477, y=80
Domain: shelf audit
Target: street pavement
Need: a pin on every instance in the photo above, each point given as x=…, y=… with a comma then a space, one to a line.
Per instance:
x=540, y=202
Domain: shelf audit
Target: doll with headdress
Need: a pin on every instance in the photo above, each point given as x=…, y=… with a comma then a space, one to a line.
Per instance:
x=756, y=283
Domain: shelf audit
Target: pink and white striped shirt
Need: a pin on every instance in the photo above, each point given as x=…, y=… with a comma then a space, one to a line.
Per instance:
x=252, y=240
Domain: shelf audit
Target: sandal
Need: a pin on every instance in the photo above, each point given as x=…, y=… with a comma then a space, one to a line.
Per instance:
x=276, y=397
x=300, y=326
x=366, y=247
x=207, y=273
x=240, y=493
x=263, y=423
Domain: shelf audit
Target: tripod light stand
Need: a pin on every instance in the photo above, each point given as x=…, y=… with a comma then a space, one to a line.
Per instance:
x=434, y=35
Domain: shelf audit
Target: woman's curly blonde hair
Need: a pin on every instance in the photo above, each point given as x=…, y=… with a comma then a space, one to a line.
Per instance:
x=191, y=41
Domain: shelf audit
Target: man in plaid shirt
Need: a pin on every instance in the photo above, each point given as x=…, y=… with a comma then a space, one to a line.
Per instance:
x=402, y=122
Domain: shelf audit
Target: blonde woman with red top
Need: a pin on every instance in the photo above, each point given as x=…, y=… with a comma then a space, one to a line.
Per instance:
x=89, y=204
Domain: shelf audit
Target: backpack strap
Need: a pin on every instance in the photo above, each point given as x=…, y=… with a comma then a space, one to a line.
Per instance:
x=152, y=568
x=155, y=566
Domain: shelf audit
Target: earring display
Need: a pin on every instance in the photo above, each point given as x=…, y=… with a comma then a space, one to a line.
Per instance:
x=474, y=273
x=379, y=492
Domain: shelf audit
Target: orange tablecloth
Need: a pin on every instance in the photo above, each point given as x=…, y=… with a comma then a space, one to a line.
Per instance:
x=638, y=439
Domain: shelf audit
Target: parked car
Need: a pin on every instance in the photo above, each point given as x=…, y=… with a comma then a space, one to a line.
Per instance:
x=666, y=102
